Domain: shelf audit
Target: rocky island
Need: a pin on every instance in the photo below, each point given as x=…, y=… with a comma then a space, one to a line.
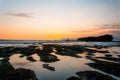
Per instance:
x=102, y=38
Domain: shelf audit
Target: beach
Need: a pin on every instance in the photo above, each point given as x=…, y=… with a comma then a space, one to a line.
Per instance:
x=63, y=60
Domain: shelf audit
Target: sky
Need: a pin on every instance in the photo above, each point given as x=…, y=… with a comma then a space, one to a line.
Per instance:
x=58, y=19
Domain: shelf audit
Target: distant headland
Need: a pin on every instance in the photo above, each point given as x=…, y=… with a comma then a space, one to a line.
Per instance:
x=102, y=38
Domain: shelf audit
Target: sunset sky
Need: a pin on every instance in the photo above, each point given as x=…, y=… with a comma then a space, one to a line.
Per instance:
x=58, y=19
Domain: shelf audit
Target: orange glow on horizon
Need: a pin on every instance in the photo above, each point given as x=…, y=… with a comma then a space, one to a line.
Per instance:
x=37, y=35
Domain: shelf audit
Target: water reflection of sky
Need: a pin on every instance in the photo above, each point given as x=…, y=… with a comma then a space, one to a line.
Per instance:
x=67, y=66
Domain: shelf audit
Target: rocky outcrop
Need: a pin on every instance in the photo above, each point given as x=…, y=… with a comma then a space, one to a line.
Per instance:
x=102, y=38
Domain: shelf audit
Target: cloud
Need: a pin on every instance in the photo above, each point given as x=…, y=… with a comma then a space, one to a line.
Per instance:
x=117, y=32
x=26, y=15
x=113, y=27
x=81, y=31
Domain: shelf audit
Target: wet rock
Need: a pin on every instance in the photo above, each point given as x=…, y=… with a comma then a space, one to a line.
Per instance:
x=5, y=60
x=99, y=46
x=47, y=49
x=94, y=51
x=103, y=51
x=21, y=56
x=7, y=72
x=88, y=57
x=108, y=67
x=93, y=75
x=6, y=50
x=48, y=58
x=25, y=74
x=69, y=50
x=47, y=66
x=68, y=54
x=27, y=51
x=119, y=56
x=108, y=55
x=73, y=78
x=90, y=54
x=31, y=59
x=110, y=58
x=116, y=52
